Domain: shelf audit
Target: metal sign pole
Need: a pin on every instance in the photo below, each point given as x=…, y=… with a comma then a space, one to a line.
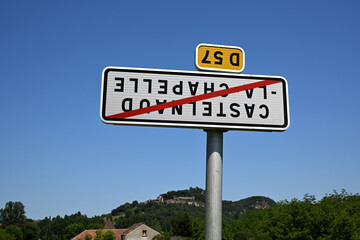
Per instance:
x=214, y=171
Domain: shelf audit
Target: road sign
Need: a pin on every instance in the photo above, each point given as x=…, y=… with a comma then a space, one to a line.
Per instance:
x=210, y=57
x=205, y=100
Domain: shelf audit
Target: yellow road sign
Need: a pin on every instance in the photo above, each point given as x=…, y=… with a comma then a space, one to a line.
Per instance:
x=210, y=57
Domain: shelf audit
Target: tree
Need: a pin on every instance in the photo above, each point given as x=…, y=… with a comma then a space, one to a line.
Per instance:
x=134, y=203
x=6, y=236
x=12, y=214
x=198, y=228
x=336, y=216
x=58, y=226
x=95, y=226
x=181, y=225
x=88, y=237
x=73, y=230
x=109, y=235
x=98, y=235
x=15, y=231
x=46, y=232
x=160, y=237
x=31, y=231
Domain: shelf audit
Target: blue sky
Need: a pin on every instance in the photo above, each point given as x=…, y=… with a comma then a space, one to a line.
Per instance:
x=57, y=157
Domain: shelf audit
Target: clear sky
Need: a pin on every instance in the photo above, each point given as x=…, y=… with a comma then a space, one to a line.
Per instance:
x=57, y=157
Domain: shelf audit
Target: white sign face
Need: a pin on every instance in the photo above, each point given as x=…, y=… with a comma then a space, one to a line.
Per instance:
x=168, y=98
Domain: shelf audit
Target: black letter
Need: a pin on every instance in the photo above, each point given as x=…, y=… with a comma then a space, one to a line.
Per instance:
x=178, y=89
x=237, y=112
x=178, y=109
x=120, y=85
x=129, y=108
x=206, y=56
x=265, y=94
x=249, y=93
x=263, y=116
x=149, y=84
x=237, y=63
x=161, y=111
x=249, y=110
x=221, y=114
x=193, y=87
x=208, y=89
x=218, y=58
x=144, y=101
x=164, y=87
x=194, y=108
x=207, y=109
x=136, y=84
x=226, y=86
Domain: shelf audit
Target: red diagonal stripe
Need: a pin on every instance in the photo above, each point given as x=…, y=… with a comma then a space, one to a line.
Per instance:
x=193, y=99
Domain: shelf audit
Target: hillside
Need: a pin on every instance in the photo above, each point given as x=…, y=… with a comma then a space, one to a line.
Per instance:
x=335, y=216
x=159, y=212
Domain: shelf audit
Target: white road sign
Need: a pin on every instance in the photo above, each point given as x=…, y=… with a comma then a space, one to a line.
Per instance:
x=169, y=98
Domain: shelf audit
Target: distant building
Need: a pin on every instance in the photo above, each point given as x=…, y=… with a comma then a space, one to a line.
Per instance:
x=109, y=224
x=185, y=198
x=138, y=231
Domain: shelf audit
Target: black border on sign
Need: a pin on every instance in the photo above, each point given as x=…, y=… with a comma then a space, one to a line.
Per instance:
x=196, y=124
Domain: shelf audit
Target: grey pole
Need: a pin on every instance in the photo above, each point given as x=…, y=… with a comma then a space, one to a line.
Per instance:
x=214, y=172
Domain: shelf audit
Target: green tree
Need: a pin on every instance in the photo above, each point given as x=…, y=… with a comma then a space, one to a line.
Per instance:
x=31, y=231
x=99, y=235
x=15, y=231
x=12, y=214
x=198, y=228
x=95, y=226
x=46, y=231
x=6, y=236
x=181, y=225
x=88, y=237
x=109, y=235
x=58, y=226
x=73, y=230
x=336, y=216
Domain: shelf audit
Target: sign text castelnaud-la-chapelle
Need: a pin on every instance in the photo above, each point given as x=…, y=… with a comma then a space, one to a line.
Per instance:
x=217, y=98
x=205, y=100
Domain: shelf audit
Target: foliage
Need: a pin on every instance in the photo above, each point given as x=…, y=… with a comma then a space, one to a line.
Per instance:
x=15, y=231
x=196, y=192
x=59, y=228
x=31, y=231
x=13, y=213
x=108, y=235
x=234, y=210
x=88, y=237
x=158, y=214
x=336, y=216
x=198, y=228
x=181, y=225
x=98, y=235
x=95, y=226
x=161, y=237
x=73, y=230
x=6, y=236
